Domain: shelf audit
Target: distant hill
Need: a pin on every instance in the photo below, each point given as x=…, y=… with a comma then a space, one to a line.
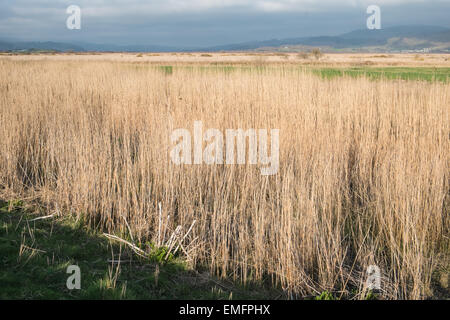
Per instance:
x=400, y=31
x=400, y=38
x=128, y=48
x=389, y=39
x=11, y=45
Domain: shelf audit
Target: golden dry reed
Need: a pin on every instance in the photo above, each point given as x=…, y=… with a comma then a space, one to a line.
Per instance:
x=363, y=177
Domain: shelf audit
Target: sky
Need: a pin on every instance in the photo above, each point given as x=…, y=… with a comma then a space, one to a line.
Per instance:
x=197, y=23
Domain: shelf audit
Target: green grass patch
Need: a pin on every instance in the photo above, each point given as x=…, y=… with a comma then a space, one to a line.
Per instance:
x=373, y=73
x=167, y=69
x=390, y=73
x=325, y=296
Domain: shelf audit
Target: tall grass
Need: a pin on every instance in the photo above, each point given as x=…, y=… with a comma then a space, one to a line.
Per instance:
x=363, y=176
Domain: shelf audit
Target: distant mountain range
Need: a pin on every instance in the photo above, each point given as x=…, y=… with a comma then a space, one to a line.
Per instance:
x=11, y=45
x=400, y=38
x=389, y=39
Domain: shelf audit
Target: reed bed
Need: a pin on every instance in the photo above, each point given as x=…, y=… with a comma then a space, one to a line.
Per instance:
x=363, y=177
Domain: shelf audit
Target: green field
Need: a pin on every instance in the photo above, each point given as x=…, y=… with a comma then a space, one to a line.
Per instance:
x=391, y=73
x=373, y=73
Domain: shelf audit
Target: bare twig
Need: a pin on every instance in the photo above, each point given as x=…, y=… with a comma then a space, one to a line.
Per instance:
x=159, y=226
x=129, y=229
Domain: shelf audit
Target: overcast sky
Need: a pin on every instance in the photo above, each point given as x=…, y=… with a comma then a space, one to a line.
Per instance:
x=205, y=22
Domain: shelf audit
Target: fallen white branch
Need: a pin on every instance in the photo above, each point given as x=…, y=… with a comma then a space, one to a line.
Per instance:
x=42, y=218
x=137, y=250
